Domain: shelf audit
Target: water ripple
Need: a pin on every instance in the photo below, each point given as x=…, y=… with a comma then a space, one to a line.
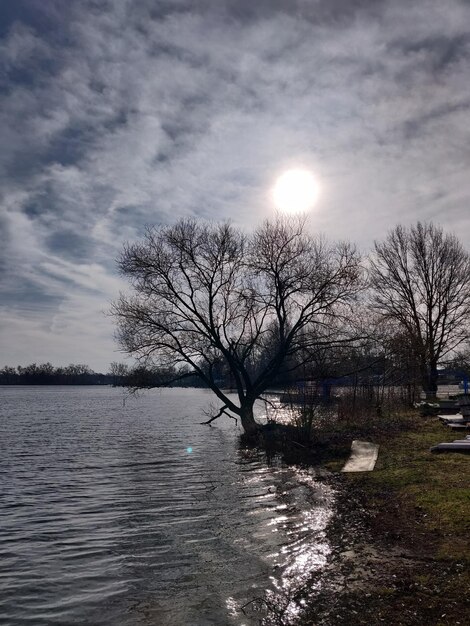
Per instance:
x=107, y=518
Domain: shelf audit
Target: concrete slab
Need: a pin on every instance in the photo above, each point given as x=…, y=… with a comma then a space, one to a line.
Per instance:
x=458, y=417
x=363, y=457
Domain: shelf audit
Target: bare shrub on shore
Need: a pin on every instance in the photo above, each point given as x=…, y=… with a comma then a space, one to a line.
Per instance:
x=367, y=402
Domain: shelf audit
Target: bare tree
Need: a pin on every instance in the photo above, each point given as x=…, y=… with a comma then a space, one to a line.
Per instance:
x=206, y=294
x=118, y=372
x=421, y=282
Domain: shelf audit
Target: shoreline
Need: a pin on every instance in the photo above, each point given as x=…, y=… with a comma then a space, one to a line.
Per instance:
x=400, y=537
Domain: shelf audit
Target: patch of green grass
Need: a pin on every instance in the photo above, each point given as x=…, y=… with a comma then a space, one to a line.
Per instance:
x=451, y=505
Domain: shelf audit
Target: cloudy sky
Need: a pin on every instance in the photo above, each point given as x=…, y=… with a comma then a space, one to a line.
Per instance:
x=120, y=113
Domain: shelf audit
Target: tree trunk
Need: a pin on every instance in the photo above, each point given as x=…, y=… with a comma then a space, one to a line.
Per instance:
x=249, y=424
x=429, y=377
x=433, y=379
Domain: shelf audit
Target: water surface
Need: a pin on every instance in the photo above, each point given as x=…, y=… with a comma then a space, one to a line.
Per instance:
x=127, y=511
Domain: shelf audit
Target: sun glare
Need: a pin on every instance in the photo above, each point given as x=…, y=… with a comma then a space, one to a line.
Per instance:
x=295, y=191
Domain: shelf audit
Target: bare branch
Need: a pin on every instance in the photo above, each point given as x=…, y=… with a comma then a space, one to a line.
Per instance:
x=222, y=411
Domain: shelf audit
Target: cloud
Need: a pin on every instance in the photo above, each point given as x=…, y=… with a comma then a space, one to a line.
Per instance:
x=118, y=114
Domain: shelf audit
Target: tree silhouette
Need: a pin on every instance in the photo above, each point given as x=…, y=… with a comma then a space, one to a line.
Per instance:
x=420, y=278
x=208, y=296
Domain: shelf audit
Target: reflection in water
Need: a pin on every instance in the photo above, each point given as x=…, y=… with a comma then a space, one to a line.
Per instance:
x=136, y=514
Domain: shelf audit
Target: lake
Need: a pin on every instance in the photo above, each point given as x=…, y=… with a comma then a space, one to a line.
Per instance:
x=125, y=510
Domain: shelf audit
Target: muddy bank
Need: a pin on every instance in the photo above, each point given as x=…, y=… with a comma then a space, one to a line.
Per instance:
x=383, y=567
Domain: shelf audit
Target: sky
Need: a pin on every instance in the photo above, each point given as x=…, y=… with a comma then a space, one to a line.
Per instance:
x=123, y=113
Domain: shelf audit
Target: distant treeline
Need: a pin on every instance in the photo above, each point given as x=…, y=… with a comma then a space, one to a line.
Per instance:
x=47, y=374
x=363, y=369
x=119, y=375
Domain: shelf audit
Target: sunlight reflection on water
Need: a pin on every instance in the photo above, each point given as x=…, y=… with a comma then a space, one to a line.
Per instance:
x=299, y=519
x=309, y=549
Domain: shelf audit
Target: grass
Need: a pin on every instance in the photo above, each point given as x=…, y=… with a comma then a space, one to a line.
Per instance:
x=434, y=489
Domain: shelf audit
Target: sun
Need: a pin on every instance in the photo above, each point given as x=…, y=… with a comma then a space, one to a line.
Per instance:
x=295, y=191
